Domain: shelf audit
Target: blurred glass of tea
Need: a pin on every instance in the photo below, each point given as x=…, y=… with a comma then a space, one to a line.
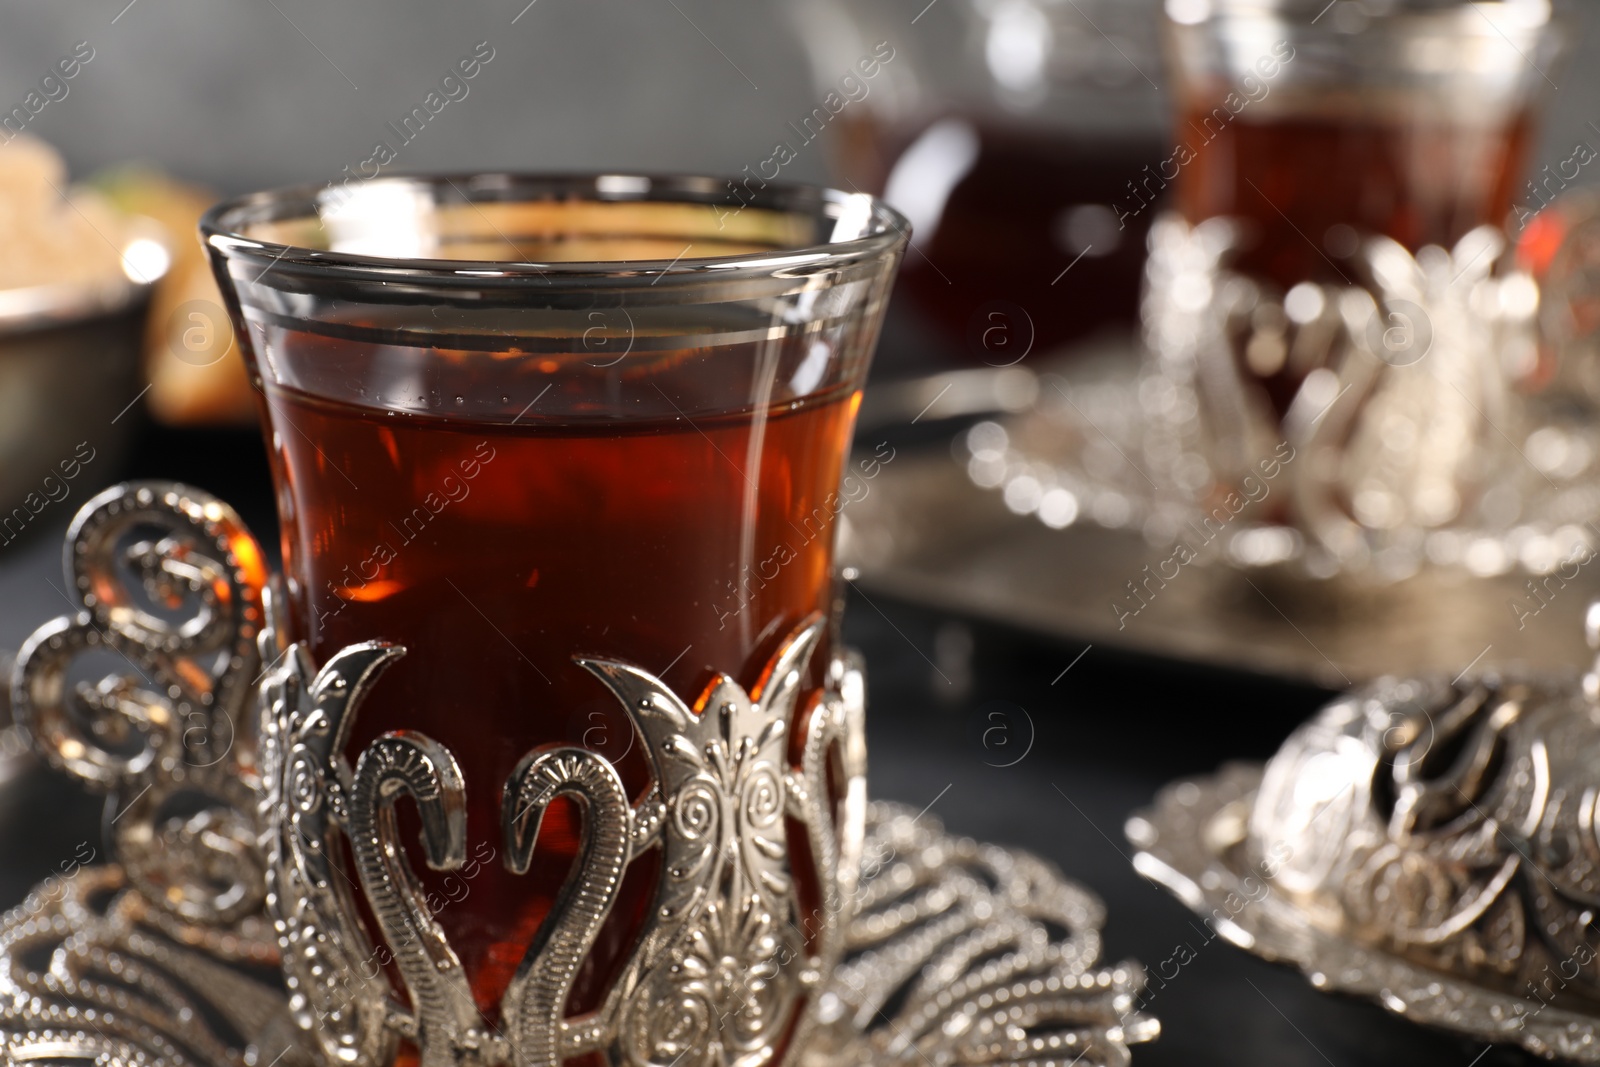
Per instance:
x=1013, y=134
x=1338, y=275
x=1313, y=126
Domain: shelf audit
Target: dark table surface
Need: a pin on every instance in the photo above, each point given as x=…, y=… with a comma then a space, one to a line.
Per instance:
x=1003, y=735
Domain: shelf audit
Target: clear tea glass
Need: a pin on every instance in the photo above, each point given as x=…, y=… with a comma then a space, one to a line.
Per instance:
x=514, y=420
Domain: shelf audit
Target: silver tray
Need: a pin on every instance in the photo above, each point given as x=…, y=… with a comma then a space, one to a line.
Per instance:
x=925, y=534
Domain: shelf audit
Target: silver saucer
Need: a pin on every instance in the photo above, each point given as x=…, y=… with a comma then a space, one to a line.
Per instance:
x=958, y=953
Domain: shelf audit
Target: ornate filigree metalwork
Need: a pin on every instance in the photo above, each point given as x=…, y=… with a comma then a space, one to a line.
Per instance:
x=227, y=938
x=1458, y=830
x=145, y=693
x=167, y=586
x=1441, y=346
x=723, y=969
x=982, y=954
x=93, y=973
x=1191, y=841
x=969, y=973
x=1431, y=843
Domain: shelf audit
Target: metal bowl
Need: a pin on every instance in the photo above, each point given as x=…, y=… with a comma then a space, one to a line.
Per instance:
x=69, y=380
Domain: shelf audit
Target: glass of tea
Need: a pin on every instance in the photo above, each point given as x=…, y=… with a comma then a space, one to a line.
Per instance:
x=1345, y=176
x=523, y=425
x=1314, y=126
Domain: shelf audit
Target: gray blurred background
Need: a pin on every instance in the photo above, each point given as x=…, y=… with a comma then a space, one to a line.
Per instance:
x=248, y=95
x=251, y=94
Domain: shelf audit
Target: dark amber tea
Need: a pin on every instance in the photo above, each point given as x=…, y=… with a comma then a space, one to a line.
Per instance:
x=1308, y=189
x=519, y=422
x=1316, y=128
x=504, y=545
x=1295, y=178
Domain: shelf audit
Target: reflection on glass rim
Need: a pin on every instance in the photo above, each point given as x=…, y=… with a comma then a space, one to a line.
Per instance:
x=511, y=225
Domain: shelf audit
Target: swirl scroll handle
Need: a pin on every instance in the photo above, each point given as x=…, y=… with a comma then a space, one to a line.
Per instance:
x=168, y=586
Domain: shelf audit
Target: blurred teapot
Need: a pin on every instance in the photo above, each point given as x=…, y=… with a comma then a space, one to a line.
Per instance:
x=1006, y=131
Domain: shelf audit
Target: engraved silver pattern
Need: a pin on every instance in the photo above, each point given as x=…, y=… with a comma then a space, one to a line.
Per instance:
x=721, y=970
x=167, y=587
x=144, y=694
x=1188, y=841
x=954, y=938
x=1431, y=844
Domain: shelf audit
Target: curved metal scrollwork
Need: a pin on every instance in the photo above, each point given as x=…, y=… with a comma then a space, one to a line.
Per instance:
x=124, y=988
x=722, y=968
x=535, y=1004
x=167, y=586
x=409, y=763
x=144, y=693
x=337, y=991
x=728, y=890
x=956, y=952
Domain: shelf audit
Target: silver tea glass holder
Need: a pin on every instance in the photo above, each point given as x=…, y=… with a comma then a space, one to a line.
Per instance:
x=227, y=932
x=1446, y=412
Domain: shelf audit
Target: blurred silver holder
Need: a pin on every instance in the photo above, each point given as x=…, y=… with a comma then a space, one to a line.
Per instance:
x=1427, y=428
x=223, y=936
x=1430, y=844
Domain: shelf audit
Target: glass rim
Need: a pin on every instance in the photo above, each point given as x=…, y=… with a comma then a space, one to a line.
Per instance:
x=222, y=229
